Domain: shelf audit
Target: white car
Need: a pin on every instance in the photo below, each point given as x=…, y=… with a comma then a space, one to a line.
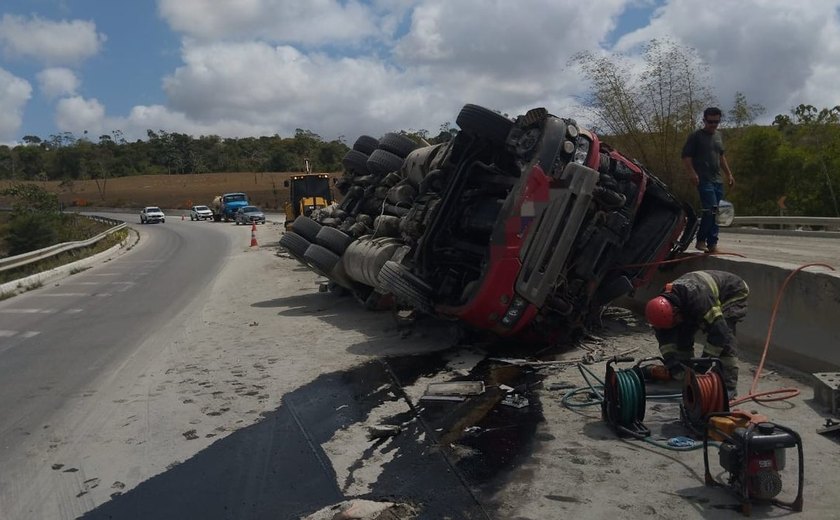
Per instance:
x=201, y=213
x=151, y=214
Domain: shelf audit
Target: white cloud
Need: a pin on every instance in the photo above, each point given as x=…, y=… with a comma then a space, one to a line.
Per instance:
x=310, y=22
x=62, y=42
x=345, y=67
x=14, y=93
x=77, y=115
x=506, y=58
x=774, y=51
x=58, y=81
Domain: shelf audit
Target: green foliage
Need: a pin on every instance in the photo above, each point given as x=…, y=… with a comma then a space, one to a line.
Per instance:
x=30, y=231
x=31, y=198
x=798, y=158
x=63, y=157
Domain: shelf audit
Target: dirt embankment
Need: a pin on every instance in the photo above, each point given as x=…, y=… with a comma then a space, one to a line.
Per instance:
x=265, y=189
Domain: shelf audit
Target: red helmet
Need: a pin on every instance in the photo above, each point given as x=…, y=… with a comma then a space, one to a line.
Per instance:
x=660, y=313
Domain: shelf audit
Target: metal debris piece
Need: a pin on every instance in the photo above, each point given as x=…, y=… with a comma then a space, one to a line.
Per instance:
x=831, y=426
x=587, y=359
x=559, y=386
x=381, y=431
x=506, y=388
x=515, y=401
x=457, y=388
x=456, y=398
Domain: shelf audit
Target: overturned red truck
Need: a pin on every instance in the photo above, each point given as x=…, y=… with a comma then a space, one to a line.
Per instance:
x=527, y=226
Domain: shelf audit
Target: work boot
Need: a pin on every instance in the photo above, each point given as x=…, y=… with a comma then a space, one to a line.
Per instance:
x=731, y=392
x=700, y=246
x=712, y=248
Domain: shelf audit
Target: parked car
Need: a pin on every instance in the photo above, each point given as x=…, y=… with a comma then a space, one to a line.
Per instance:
x=518, y=227
x=151, y=214
x=201, y=213
x=248, y=215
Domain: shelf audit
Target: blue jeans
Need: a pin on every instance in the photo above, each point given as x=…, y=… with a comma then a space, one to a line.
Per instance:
x=710, y=195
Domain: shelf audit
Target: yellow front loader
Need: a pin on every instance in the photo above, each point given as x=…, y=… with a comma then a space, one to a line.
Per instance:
x=307, y=192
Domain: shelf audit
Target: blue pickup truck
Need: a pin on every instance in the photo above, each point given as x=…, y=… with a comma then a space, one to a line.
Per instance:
x=225, y=206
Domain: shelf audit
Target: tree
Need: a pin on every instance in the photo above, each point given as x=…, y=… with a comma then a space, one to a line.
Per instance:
x=650, y=110
x=744, y=113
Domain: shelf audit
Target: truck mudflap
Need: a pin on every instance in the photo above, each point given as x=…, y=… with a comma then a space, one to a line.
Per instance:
x=547, y=247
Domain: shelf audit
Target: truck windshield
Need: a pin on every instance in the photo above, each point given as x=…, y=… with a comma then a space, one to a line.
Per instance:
x=235, y=197
x=312, y=187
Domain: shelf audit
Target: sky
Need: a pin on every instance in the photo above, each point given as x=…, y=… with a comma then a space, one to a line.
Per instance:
x=343, y=68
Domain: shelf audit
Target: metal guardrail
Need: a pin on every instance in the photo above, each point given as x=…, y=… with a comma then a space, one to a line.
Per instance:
x=827, y=223
x=12, y=262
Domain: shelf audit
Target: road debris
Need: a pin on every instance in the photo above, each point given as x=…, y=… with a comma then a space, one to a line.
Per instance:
x=382, y=431
x=456, y=388
x=831, y=426
x=515, y=401
x=364, y=510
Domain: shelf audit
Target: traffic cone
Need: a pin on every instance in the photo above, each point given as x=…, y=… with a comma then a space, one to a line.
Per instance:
x=254, y=235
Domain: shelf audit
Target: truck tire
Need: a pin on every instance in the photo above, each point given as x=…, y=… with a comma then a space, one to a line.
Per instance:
x=355, y=162
x=295, y=244
x=382, y=162
x=366, y=144
x=321, y=259
x=333, y=239
x=406, y=286
x=397, y=144
x=484, y=123
x=306, y=227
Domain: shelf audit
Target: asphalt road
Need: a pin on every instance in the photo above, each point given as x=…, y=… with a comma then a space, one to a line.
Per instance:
x=197, y=377
x=781, y=249
x=60, y=341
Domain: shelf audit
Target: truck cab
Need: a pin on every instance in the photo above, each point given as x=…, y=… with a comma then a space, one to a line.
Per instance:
x=225, y=206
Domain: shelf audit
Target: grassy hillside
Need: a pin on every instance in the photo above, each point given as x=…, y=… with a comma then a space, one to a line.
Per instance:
x=169, y=191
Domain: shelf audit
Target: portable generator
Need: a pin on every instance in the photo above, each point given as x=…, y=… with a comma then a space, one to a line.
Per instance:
x=753, y=454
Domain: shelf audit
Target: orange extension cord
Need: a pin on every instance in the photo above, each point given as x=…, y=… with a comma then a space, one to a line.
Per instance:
x=782, y=393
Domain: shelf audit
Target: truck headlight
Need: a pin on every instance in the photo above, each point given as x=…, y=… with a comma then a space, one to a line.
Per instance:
x=514, y=312
x=582, y=150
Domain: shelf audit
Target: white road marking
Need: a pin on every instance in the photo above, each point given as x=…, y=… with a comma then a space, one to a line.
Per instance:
x=73, y=311
x=66, y=294
x=27, y=311
x=29, y=333
x=7, y=333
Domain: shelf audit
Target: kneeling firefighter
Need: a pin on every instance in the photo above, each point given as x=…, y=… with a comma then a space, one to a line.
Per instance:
x=712, y=301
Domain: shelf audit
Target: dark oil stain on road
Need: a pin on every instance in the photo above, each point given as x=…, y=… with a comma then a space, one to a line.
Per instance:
x=276, y=468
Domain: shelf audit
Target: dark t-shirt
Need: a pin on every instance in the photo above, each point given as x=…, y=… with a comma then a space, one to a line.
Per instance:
x=705, y=150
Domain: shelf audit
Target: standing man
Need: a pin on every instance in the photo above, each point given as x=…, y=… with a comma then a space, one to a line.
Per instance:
x=703, y=159
x=711, y=301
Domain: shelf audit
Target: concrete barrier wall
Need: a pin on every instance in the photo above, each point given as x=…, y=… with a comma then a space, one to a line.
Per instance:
x=806, y=335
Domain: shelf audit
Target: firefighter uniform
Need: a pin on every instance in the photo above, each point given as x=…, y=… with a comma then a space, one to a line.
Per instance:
x=711, y=301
